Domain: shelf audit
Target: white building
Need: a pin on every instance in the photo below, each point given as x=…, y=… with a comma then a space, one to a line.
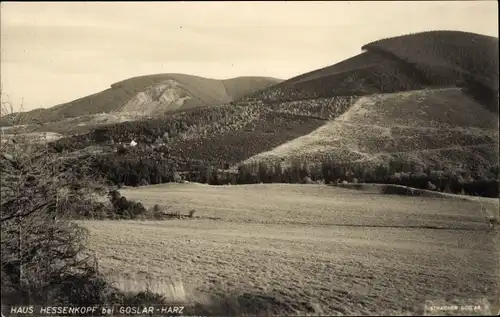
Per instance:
x=133, y=143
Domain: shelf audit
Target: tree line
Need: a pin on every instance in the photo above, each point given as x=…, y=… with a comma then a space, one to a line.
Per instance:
x=144, y=171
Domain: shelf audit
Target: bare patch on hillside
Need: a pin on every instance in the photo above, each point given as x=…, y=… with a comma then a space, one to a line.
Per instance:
x=421, y=126
x=167, y=95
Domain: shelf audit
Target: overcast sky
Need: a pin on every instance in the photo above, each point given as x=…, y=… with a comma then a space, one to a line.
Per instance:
x=57, y=52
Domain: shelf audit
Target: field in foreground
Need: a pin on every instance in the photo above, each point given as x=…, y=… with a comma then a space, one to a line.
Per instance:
x=308, y=248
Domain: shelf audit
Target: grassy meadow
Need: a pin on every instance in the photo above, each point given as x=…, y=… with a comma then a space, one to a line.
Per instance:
x=284, y=248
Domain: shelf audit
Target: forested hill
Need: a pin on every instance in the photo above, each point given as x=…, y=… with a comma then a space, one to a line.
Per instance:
x=449, y=58
x=380, y=108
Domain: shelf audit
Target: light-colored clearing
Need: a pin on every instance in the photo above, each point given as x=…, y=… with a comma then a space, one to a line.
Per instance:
x=34, y=136
x=377, y=126
x=168, y=94
x=300, y=247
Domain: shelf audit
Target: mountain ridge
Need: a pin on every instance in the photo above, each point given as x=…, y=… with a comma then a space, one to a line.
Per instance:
x=198, y=92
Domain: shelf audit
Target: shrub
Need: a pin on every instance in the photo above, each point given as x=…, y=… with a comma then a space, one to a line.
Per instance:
x=431, y=186
x=125, y=209
x=157, y=212
x=308, y=180
x=177, y=178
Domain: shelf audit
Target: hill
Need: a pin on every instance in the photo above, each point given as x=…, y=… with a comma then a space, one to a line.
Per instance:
x=154, y=95
x=449, y=58
x=372, y=115
x=410, y=62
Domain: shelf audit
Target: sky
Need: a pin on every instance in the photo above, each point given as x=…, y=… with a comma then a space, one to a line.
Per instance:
x=55, y=52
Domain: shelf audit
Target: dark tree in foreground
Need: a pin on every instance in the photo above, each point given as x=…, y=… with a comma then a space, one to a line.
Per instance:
x=44, y=260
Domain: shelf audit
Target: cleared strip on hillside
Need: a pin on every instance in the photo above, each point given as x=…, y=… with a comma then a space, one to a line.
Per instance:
x=422, y=126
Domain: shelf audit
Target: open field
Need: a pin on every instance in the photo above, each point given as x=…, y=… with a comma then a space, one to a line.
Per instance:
x=308, y=248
